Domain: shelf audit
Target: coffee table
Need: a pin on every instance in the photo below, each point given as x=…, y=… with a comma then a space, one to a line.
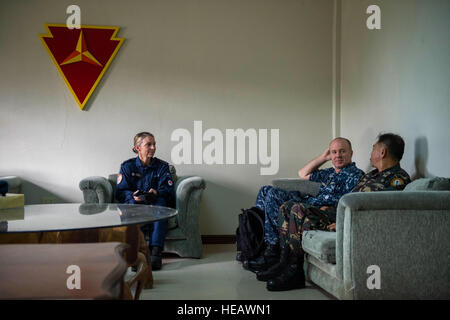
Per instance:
x=76, y=216
x=84, y=223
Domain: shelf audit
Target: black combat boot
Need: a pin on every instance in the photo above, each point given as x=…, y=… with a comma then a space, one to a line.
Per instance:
x=292, y=276
x=156, y=258
x=276, y=269
x=270, y=257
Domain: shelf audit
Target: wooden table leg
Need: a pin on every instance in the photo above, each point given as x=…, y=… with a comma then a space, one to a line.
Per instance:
x=137, y=256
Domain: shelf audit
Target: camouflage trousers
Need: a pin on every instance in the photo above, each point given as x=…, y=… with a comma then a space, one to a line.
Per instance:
x=269, y=200
x=295, y=218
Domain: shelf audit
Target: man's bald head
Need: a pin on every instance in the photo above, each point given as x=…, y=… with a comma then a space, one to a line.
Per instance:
x=341, y=153
x=343, y=139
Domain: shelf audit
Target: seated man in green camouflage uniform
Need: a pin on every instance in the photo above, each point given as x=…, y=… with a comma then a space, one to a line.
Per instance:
x=295, y=217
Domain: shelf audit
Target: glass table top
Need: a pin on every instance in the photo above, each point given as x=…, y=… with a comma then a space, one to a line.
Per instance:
x=73, y=216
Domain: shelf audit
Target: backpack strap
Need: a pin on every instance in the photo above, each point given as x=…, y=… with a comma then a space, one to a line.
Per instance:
x=258, y=217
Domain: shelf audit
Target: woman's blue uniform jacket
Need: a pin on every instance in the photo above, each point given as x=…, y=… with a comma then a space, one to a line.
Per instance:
x=134, y=176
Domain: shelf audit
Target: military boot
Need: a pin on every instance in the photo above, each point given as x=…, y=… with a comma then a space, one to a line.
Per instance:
x=275, y=270
x=270, y=257
x=156, y=258
x=292, y=276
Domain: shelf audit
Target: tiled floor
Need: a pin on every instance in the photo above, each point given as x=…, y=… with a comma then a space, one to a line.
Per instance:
x=216, y=276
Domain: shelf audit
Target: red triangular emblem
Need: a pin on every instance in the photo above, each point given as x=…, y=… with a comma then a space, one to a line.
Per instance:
x=81, y=55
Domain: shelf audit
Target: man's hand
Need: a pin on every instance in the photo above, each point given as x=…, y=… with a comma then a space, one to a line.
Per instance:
x=314, y=164
x=332, y=227
x=153, y=191
x=326, y=155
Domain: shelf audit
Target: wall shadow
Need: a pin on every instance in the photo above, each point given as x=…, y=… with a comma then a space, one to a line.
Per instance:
x=420, y=158
x=35, y=194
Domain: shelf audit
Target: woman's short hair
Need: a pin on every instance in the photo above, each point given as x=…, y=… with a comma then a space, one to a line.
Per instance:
x=138, y=139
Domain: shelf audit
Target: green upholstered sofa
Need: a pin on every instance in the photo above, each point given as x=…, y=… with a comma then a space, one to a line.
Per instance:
x=403, y=233
x=183, y=236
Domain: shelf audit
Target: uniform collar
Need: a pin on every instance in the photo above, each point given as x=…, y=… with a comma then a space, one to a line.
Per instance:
x=349, y=166
x=141, y=166
x=393, y=168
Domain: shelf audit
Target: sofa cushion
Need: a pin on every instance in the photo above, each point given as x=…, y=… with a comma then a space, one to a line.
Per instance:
x=429, y=184
x=305, y=187
x=320, y=244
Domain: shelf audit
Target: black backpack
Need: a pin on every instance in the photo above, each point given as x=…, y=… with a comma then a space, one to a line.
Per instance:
x=250, y=234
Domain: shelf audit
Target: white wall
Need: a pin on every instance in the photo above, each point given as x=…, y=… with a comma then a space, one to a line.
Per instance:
x=397, y=79
x=231, y=64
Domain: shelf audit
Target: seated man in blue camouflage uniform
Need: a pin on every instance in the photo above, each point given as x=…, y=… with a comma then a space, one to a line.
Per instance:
x=147, y=180
x=295, y=217
x=336, y=181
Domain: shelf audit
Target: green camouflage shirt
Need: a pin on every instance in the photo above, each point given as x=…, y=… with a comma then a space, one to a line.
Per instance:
x=393, y=178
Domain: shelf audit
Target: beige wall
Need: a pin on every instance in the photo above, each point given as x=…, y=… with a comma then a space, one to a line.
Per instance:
x=232, y=64
x=397, y=79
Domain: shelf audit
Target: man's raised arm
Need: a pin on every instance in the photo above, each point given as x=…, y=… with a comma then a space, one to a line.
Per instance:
x=314, y=164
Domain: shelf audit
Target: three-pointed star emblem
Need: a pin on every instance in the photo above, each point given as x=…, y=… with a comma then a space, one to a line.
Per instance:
x=81, y=53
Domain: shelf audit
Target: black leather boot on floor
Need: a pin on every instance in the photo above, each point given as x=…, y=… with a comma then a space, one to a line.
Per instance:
x=270, y=257
x=255, y=264
x=292, y=277
x=276, y=269
x=156, y=258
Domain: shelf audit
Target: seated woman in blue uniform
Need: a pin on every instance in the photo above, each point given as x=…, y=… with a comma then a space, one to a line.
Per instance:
x=147, y=180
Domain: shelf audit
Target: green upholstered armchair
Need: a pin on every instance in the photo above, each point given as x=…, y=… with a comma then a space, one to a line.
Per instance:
x=183, y=235
x=404, y=233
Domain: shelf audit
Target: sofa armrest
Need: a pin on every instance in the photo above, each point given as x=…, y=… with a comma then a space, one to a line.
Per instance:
x=188, y=196
x=96, y=190
x=14, y=183
x=404, y=234
x=296, y=184
x=397, y=200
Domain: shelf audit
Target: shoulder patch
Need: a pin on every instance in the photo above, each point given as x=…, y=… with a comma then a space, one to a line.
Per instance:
x=170, y=182
x=119, y=178
x=395, y=182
